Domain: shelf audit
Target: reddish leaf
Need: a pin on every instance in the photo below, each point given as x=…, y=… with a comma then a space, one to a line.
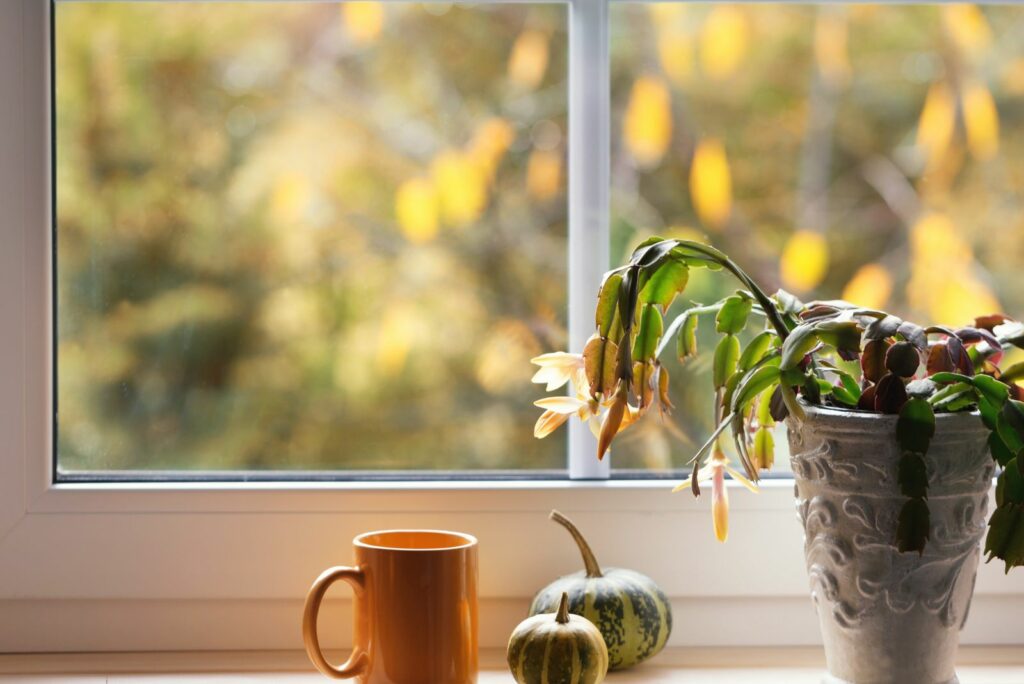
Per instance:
x=939, y=360
x=902, y=359
x=867, y=398
x=989, y=322
x=872, y=359
x=890, y=394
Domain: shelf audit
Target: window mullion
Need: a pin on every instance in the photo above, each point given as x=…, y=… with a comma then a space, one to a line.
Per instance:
x=589, y=182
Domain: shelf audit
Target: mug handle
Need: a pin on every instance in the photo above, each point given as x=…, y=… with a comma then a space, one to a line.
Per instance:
x=357, y=663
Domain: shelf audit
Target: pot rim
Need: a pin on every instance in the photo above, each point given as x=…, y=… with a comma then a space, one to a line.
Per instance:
x=856, y=420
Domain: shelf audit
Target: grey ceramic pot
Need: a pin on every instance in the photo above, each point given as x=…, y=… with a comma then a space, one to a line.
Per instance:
x=888, y=617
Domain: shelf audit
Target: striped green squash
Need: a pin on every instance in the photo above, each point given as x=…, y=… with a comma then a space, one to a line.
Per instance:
x=558, y=648
x=631, y=611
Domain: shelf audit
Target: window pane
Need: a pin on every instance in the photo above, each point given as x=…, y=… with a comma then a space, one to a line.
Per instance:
x=307, y=235
x=870, y=152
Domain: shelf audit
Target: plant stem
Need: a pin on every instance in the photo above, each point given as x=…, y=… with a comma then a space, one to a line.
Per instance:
x=562, y=616
x=589, y=561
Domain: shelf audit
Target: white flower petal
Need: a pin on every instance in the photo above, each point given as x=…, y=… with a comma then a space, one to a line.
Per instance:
x=564, y=405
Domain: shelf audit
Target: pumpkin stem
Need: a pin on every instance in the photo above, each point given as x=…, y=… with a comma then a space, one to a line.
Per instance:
x=589, y=562
x=562, y=616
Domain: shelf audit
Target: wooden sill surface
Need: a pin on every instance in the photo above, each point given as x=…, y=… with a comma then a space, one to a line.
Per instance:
x=980, y=665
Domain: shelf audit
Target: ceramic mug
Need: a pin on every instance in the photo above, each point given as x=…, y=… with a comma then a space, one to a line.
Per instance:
x=415, y=609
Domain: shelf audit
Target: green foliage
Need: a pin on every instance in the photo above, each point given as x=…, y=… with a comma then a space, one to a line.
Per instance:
x=648, y=333
x=664, y=284
x=915, y=426
x=732, y=316
x=914, y=526
x=727, y=353
x=687, y=340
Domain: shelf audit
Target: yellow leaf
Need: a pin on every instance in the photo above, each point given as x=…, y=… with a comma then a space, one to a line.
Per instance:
x=675, y=52
x=968, y=27
x=957, y=301
x=870, y=287
x=416, y=210
x=461, y=186
x=830, y=49
x=529, y=59
x=647, y=127
x=723, y=41
x=711, y=183
x=544, y=174
x=935, y=240
x=804, y=261
x=364, y=20
x=981, y=119
x=937, y=121
x=490, y=142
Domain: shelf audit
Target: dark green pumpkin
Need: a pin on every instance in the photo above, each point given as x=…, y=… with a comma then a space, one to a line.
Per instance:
x=558, y=648
x=630, y=610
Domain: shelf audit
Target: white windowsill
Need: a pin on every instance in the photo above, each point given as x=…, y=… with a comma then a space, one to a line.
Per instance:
x=979, y=665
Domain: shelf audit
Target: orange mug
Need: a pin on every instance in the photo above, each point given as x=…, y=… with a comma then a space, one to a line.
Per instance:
x=415, y=609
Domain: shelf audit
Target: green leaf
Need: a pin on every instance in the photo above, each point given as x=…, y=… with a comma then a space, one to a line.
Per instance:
x=1013, y=373
x=651, y=251
x=726, y=355
x=764, y=448
x=915, y=426
x=686, y=341
x=788, y=303
x=1013, y=413
x=1000, y=452
x=732, y=317
x=843, y=335
x=754, y=383
x=914, y=527
x=792, y=405
x=1010, y=484
x=948, y=378
x=755, y=350
x=913, y=476
x=800, y=341
x=607, y=303
x=665, y=283
x=648, y=334
x=627, y=298
x=992, y=389
x=844, y=396
x=1005, y=539
x=764, y=406
x=849, y=383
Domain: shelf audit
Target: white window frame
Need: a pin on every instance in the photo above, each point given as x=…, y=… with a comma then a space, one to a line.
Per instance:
x=209, y=566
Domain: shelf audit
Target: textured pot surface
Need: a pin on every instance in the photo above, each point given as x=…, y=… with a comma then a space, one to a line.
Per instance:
x=888, y=617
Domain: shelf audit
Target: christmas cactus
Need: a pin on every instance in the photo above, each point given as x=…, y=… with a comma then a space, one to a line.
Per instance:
x=831, y=353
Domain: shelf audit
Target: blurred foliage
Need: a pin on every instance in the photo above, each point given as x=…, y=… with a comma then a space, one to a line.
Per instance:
x=305, y=235
x=860, y=151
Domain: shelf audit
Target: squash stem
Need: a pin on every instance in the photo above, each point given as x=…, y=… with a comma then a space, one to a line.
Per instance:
x=562, y=616
x=589, y=562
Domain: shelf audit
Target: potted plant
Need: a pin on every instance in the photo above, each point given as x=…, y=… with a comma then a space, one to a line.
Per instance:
x=895, y=432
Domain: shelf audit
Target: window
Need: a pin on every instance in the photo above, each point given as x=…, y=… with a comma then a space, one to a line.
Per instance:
x=220, y=561
x=307, y=236
x=359, y=239
x=867, y=152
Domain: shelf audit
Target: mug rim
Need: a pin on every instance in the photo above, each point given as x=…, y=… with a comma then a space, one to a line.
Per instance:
x=469, y=540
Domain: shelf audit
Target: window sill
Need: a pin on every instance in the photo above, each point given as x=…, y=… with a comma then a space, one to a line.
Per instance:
x=979, y=665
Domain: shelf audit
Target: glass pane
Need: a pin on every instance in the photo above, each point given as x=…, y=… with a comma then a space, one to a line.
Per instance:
x=870, y=152
x=307, y=235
